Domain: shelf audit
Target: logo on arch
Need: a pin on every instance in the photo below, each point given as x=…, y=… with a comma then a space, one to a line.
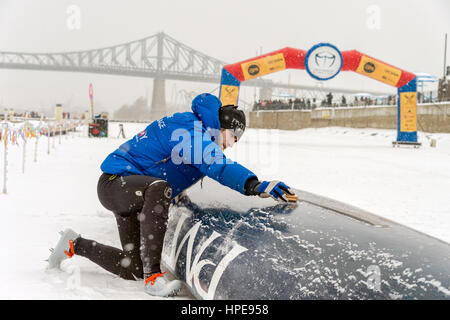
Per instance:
x=369, y=67
x=253, y=69
x=323, y=61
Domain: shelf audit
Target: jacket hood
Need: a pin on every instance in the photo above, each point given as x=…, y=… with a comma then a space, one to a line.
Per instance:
x=206, y=107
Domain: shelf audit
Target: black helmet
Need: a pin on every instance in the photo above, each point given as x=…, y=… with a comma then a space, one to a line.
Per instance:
x=232, y=118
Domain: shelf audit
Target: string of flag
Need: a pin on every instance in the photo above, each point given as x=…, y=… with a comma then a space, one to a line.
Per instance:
x=11, y=135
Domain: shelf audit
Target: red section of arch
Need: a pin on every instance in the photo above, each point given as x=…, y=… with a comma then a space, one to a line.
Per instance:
x=405, y=78
x=350, y=60
x=295, y=59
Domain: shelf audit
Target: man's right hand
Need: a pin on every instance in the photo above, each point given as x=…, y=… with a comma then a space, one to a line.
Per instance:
x=275, y=189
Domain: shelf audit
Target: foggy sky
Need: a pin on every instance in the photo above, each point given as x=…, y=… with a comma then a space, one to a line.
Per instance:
x=410, y=36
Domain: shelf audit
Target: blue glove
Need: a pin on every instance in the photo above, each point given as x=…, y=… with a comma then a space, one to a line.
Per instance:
x=275, y=189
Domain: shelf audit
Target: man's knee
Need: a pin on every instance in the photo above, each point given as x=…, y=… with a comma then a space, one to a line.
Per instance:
x=159, y=190
x=158, y=196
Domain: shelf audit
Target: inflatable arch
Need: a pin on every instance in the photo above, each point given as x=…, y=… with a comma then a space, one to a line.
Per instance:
x=323, y=62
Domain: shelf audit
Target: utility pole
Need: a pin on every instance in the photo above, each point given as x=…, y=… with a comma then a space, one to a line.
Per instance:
x=443, y=86
x=445, y=58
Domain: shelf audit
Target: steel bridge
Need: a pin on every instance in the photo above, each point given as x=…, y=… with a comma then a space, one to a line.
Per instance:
x=159, y=56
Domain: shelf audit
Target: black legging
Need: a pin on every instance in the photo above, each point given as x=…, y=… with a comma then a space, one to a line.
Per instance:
x=141, y=205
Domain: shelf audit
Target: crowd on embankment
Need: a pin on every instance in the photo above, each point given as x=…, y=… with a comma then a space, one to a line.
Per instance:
x=331, y=101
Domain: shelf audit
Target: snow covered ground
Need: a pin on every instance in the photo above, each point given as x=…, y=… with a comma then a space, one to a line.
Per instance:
x=356, y=166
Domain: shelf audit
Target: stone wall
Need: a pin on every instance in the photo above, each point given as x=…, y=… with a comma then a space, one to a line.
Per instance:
x=430, y=118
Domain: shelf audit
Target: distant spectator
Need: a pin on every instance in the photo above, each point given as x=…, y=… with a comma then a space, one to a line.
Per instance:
x=121, y=132
x=329, y=99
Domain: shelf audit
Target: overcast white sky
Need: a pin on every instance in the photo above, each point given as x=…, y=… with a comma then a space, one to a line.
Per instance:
x=408, y=34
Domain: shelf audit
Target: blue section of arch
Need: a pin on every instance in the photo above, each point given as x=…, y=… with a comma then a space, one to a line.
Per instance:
x=405, y=136
x=228, y=79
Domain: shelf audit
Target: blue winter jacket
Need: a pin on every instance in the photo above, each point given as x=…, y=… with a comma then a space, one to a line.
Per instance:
x=180, y=150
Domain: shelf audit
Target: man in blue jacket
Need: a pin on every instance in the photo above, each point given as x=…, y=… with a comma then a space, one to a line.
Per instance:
x=144, y=175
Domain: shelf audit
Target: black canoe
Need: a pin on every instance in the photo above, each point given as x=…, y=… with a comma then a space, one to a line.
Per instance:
x=227, y=246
